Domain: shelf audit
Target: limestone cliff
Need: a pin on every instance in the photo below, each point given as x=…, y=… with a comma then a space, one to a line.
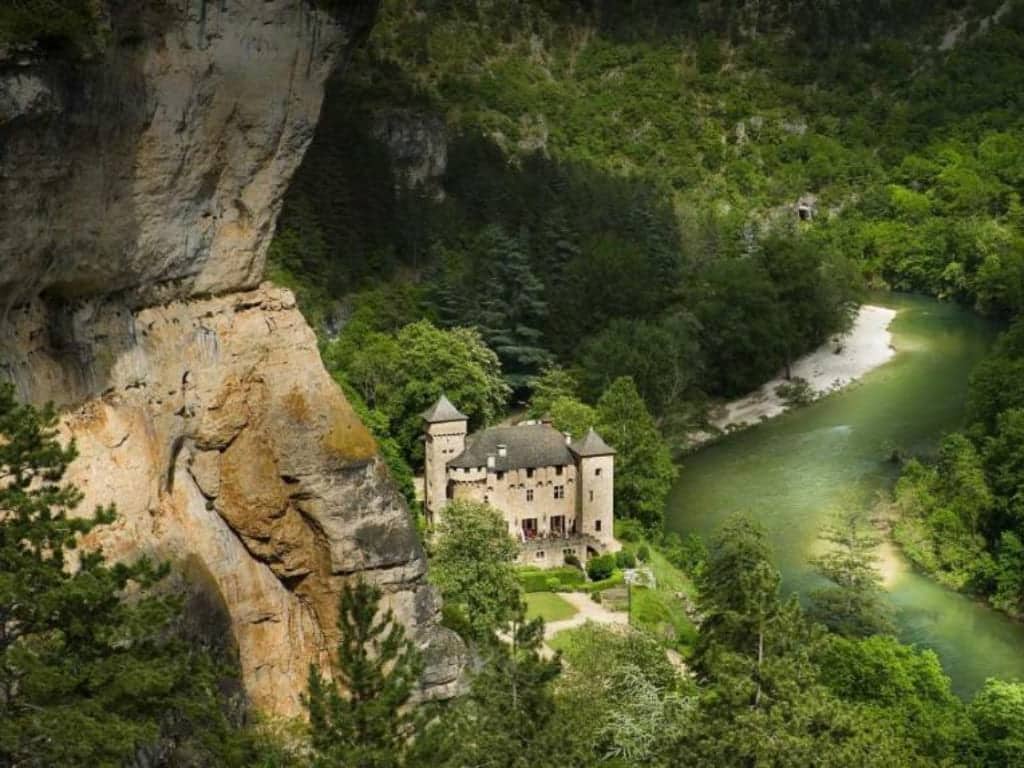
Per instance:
x=140, y=189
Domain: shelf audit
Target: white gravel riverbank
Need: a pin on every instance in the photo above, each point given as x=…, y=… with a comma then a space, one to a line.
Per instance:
x=832, y=366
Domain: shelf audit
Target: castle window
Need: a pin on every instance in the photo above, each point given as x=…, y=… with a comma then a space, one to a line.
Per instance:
x=529, y=472
x=597, y=472
x=558, y=471
x=529, y=494
x=501, y=475
x=597, y=525
x=559, y=491
x=591, y=495
x=540, y=555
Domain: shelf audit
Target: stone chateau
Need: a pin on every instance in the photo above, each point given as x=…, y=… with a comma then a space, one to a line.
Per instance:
x=555, y=493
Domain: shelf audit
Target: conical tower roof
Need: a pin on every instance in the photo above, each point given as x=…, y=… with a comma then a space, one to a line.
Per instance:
x=443, y=410
x=591, y=445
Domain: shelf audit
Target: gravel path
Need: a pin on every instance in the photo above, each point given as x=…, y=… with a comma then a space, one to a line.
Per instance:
x=588, y=611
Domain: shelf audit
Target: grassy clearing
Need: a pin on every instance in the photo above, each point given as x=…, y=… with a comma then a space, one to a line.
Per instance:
x=566, y=640
x=660, y=614
x=670, y=578
x=549, y=607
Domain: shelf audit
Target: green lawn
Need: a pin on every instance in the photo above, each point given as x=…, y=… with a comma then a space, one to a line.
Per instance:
x=565, y=640
x=548, y=606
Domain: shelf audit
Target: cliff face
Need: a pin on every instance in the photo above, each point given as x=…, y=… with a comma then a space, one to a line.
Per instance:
x=140, y=193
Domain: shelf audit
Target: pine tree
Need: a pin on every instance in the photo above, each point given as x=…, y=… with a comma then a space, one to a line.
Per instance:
x=505, y=721
x=853, y=604
x=87, y=677
x=643, y=467
x=446, y=290
x=513, y=308
x=361, y=718
x=559, y=248
x=739, y=592
x=760, y=701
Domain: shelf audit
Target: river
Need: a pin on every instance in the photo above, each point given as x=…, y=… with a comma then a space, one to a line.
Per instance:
x=789, y=472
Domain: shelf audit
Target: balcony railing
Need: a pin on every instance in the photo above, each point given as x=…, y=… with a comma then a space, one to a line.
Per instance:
x=568, y=540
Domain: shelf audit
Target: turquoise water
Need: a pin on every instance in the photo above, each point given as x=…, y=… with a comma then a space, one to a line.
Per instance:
x=791, y=471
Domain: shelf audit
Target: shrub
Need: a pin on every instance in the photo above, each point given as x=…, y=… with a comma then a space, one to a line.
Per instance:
x=614, y=580
x=625, y=558
x=643, y=554
x=795, y=392
x=688, y=555
x=554, y=580
x=600, y=568
x=574, y=561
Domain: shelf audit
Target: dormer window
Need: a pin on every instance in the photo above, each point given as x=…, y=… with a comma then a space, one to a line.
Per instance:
x=559, y=470
x=501, y=475
x=529, y=472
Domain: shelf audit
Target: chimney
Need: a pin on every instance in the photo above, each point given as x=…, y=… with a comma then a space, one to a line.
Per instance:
x=568, y=438
x=502, y=451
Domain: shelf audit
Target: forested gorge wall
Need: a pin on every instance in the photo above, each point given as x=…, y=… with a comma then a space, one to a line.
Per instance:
x=140, y=187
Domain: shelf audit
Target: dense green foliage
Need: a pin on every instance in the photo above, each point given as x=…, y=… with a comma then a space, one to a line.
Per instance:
x=93, y=666
x=568, y=220
x=360, y=718
x=399, y=375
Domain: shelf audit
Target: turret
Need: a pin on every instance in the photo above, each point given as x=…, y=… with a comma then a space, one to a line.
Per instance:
x=595, y=460
x=444, y=434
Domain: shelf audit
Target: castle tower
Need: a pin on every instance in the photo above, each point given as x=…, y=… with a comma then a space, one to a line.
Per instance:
x=444, y=429
x=595, y=461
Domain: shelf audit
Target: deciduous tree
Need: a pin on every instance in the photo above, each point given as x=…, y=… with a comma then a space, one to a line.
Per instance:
x=472, y=565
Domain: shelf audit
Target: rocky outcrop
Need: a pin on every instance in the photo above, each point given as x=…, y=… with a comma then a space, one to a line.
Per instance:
x=158, y=168
x=417, y=143
x=140, y=192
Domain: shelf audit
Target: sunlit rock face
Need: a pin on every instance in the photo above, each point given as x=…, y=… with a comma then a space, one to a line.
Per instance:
x=140, y=193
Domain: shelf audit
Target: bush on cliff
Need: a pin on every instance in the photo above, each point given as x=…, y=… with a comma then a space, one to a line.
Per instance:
x=58, y=23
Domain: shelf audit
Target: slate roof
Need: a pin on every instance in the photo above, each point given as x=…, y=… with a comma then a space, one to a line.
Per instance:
x=591, y=445
x=527, y=446
x=443, y=410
